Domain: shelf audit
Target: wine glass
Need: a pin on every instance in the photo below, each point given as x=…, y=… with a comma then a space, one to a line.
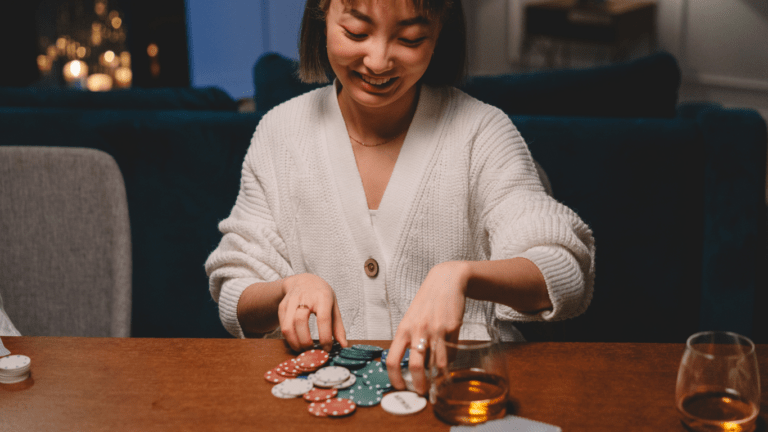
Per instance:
x=718, y=383
x=473, y=388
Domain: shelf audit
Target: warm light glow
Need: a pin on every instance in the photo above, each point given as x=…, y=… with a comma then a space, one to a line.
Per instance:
x=109, y=56
x=99, y=82
x=96, y=31
x=52, y=52
x=100, y=8
x=113, y=15
x=123, y=77
x=152, y=50
x=117, y=22
x=109, y=59
x=125, y=59
x=75, y=70
x=61, y=43
x=81, y=52
x=43, y=63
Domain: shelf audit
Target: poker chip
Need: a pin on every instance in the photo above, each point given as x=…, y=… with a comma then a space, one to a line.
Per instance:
x=354, y=354
x=278, y=394
x=317, y=410
x=349, y=363
x=330, y=376
x=293, y=387
x=274, y=377
x=364, y=395
x=375, y=350
x=348, y=383
x=317, y=394
x=339, y=407
x=312, y=359
x=14, y=369
x=403, y=403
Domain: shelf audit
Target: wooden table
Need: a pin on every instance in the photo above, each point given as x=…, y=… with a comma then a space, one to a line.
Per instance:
x=615, y=23
x=94, y=384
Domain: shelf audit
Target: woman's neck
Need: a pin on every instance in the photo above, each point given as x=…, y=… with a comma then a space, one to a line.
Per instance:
x=380, y=123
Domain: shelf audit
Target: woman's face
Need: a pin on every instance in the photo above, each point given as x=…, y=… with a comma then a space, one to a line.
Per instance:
x=379, y=49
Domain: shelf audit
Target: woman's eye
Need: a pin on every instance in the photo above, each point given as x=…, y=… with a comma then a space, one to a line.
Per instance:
x=413, y=41
x=355, y=36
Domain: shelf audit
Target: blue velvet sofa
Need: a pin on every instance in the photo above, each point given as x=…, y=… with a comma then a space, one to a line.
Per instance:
x=674, y=194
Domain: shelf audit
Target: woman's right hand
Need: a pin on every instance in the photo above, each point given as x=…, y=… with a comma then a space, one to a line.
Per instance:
x=306, y=294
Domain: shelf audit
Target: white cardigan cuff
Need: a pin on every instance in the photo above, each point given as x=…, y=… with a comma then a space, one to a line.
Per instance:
x=565, y=284
x=229, y=297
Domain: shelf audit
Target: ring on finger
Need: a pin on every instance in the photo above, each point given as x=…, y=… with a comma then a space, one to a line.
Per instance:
x=422, y=346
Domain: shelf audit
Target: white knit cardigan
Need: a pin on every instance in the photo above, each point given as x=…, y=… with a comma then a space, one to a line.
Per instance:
x=464, y=188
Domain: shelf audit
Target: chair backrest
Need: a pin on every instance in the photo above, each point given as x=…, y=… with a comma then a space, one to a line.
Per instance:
x=65, y=258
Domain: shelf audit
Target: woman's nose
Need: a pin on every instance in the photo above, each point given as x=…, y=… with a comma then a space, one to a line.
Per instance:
x=378, y=58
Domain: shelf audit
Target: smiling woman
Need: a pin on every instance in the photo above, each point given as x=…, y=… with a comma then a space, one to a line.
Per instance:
x=391, y=205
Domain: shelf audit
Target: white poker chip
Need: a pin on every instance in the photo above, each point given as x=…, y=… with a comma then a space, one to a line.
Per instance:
x=348, y=383
x=13, y=380
x=294, y=387
x=331, y=375
x=15, y=365
x=403, y=403
x=278, y=394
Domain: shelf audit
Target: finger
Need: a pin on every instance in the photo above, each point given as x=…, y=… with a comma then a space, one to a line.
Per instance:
x=301, y=324
x=440, y=354
x=416, y=365
x=396, y=350
x=287, y=326
x=338, y=326
x=324, y=312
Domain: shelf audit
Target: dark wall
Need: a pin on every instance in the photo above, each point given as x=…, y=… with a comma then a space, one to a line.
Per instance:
x=18, y=31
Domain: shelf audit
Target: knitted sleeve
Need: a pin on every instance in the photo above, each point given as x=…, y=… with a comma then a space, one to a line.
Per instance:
x=523, y=221
x=251, y=249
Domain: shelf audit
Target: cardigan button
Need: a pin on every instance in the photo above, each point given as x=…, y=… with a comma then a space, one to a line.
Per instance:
x=371, y=267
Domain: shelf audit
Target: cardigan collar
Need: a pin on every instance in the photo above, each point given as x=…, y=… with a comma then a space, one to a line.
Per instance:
x=421, y=142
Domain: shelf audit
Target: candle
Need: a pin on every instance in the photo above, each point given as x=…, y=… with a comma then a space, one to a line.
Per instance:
x=99, y=82
x=75, y=72
x=123, y=77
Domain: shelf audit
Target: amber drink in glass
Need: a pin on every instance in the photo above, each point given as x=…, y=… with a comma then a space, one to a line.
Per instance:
x=718, y=383
x=473, y=388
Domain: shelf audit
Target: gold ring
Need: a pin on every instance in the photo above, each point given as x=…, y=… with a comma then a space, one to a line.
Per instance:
x=302, y=306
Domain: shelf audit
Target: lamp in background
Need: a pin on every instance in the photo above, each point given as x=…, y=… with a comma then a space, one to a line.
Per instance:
x=75, y=73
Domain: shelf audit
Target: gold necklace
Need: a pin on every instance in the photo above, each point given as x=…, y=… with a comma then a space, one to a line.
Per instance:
x=375, y=145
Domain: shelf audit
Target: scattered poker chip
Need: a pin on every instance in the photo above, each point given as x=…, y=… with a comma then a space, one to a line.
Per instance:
x=317, y=394
x=316, y=409
x=312, y=359
x=403, y=403
x=339, y=407
x=364, y=395
x=293, y=387
x=348, y=383
x=278, y=394
x=274, y=377
x=331, y=375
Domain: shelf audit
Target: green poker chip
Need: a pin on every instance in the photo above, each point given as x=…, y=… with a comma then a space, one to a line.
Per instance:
x=364, y=395
x=355, y=354
x=349, y=363
x=376, y=350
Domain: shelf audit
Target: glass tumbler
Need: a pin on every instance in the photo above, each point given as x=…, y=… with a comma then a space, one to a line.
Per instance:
x=473, y=388
x=718, y=383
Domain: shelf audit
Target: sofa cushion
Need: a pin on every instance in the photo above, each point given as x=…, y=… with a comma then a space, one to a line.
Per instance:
x=645, y=87
x=198, y=99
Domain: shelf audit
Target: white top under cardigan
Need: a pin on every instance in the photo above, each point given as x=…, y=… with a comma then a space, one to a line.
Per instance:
x=464, y=188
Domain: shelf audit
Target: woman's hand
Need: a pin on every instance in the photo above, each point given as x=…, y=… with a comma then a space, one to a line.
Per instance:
x=305, y=294
x=435, y=313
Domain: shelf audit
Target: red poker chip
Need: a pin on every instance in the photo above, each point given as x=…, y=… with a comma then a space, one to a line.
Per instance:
x=288, y=373
x=312, y=359
x=274, y=377
x=317, y=409
x=339, y=407
x=320, y=395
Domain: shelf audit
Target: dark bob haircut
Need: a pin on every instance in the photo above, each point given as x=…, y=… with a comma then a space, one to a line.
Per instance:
x=448, y=63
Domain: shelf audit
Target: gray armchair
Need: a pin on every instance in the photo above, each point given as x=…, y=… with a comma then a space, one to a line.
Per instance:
x=65, y=258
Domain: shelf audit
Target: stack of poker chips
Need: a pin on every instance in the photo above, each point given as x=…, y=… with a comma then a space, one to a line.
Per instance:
x=334, y=383
x=14, y=369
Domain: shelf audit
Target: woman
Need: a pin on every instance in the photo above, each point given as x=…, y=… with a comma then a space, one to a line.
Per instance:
x=391, y=205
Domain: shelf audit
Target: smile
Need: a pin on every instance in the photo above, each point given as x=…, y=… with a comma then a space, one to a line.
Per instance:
x=378, y=82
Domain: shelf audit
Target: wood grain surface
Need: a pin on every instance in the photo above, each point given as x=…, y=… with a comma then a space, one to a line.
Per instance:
x=104, y=384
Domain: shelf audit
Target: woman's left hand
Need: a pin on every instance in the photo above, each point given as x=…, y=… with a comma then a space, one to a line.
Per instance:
x=436, y=312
